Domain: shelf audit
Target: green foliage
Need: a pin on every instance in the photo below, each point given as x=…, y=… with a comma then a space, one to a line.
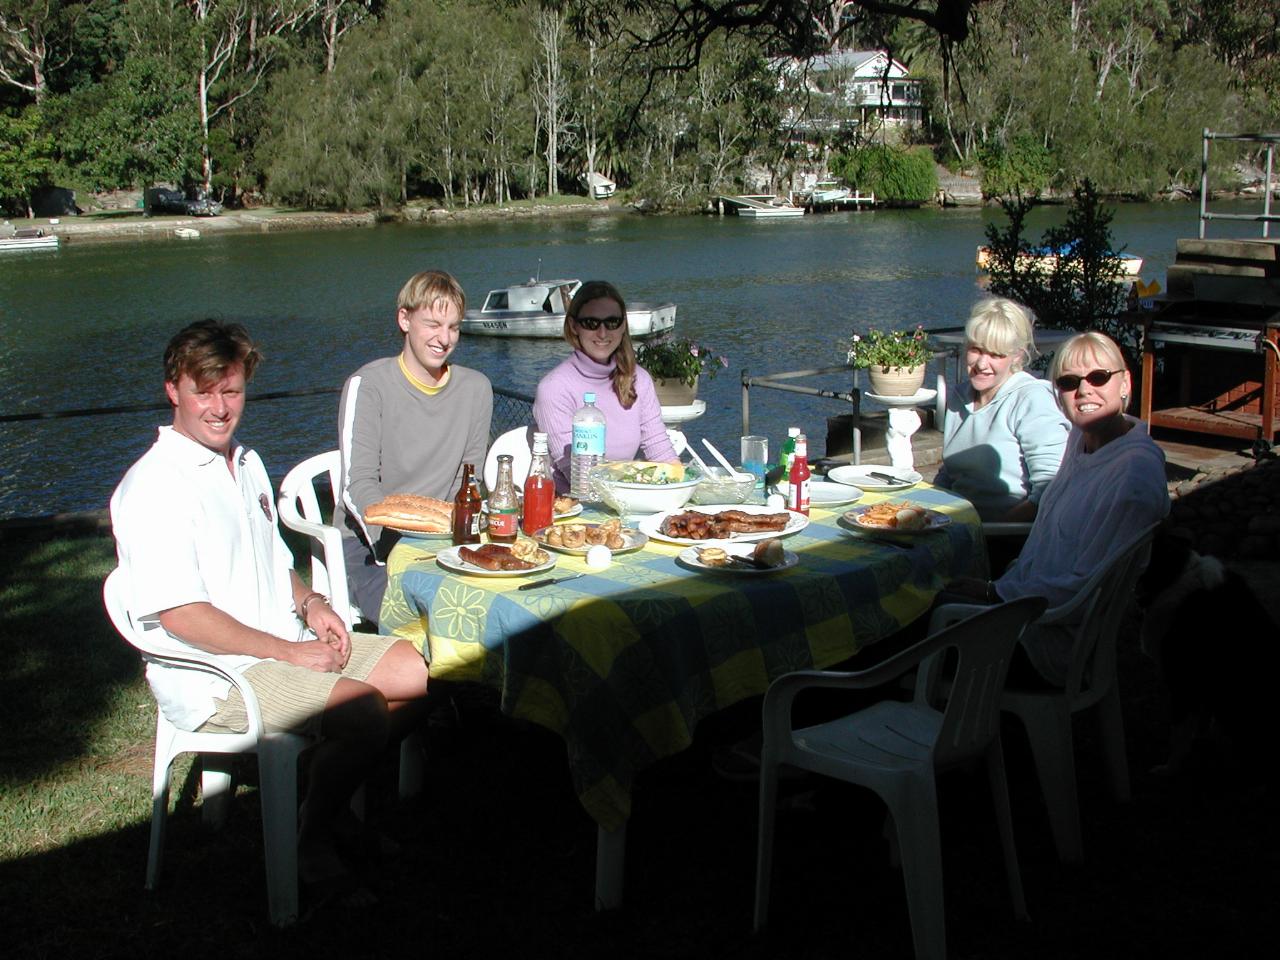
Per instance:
x=1083, y=289
x=1023, y=167
x=892, y=173
x=681, y=359
x=889, y=349
x=26, y=158
x=138, y=128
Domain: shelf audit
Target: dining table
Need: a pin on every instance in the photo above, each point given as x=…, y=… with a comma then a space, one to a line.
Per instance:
x=624, y=661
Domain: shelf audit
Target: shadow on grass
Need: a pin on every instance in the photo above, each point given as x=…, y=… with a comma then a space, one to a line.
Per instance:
x=63, y=663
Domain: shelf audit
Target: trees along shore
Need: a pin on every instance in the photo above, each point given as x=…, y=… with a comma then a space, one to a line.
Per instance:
x=353, y=105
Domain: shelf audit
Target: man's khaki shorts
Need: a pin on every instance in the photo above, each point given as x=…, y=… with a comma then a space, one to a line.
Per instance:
x=293, y=698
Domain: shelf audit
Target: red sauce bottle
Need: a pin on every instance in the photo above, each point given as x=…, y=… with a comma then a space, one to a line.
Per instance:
x=539, y=489
x=798, y=482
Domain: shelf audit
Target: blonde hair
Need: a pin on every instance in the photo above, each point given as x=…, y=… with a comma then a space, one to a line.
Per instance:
x=1002, y=327
x=624, y=355
x=1091, y=344
x=428, y=288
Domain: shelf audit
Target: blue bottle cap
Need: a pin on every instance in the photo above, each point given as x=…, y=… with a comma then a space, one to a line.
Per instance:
x=588, y=398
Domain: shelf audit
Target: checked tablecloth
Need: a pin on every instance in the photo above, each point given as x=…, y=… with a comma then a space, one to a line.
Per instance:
x=624, y=662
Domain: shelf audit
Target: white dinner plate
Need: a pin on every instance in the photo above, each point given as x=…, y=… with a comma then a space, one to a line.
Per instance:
x=450, y=560
x=933, y=521
x=860, y=477
x=652, y=525
x=824, y=493
x=632, y=538
x=417, y=534
x=573, y=511
x=688, y=557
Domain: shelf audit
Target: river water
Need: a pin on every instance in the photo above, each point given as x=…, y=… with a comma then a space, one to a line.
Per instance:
x=85, y=327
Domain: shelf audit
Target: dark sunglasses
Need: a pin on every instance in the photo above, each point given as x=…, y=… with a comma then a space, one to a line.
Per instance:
x=1095, y=378
x=593, y=323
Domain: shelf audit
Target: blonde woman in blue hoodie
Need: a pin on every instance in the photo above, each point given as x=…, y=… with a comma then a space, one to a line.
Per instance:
x=1004, y=434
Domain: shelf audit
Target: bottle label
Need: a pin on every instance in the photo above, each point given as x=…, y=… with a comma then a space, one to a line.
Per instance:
x=798, y=499
x=588, y=438
x=503, y=523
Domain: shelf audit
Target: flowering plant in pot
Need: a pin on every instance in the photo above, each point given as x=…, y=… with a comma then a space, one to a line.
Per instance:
x=679, y=362
x=895, y=359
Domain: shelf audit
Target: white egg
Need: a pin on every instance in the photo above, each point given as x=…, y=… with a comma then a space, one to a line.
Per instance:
x=776, y=501
x=599, y=557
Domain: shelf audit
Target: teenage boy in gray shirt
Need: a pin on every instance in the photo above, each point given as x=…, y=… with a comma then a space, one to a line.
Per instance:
x=407, y=424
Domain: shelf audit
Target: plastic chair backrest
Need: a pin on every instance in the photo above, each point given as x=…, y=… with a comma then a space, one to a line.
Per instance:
x=300, y=510
x=984, y=645
x=1099, y=607
x=519, y=444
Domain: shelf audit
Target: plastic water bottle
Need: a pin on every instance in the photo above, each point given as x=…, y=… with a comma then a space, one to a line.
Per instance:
x=588, y=446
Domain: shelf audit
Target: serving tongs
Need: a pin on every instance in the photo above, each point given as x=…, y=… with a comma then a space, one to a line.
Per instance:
x=748, y=562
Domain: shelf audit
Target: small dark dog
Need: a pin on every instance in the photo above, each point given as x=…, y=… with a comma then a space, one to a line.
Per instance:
x=1215, y=645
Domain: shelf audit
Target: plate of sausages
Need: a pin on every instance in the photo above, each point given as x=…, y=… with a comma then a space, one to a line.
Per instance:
x=495, y=560
x=737, y=522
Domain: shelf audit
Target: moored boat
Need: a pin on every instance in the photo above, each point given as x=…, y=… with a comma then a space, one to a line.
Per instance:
x=29, y=238
x=536, y=309
x=1046, y=259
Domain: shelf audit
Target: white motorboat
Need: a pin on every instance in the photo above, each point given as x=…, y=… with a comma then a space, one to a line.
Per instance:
x=29, y=238
x=765, y=206
x=1046, y=260
x=536, y=309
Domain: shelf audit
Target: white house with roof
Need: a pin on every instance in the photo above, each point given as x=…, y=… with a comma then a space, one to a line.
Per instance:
x=850, y=88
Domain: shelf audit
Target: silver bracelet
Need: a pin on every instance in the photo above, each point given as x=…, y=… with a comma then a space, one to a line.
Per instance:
x=306, y=603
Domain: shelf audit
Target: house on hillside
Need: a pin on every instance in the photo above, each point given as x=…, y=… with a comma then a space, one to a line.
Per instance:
x=849, y=90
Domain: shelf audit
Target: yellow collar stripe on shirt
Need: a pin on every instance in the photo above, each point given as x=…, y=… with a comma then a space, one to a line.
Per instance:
x=418, y=384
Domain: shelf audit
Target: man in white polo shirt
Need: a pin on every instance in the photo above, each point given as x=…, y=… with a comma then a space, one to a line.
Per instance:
x=196, y=535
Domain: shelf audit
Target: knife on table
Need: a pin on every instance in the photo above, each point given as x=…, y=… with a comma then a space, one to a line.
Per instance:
x=546, y=582
x=884, y=478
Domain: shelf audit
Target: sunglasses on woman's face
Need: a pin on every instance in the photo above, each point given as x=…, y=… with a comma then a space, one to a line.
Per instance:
x=1069, y=382
x=593, y=323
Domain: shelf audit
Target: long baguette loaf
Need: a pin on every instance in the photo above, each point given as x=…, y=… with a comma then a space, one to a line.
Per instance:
x=410, y=512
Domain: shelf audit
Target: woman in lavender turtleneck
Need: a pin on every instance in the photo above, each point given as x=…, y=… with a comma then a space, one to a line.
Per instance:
x=603, y=362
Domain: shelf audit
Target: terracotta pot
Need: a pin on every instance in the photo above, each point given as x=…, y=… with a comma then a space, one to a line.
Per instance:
x=896, y=381
x=675, y=393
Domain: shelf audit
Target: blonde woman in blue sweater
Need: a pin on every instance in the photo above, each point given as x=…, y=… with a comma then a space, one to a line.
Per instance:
x=1003, y=434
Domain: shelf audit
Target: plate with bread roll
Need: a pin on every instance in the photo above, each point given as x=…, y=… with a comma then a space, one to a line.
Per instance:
x=412, y=515
x=497, y=559
x=578, y=538
x=895, y=516
x=749, y=559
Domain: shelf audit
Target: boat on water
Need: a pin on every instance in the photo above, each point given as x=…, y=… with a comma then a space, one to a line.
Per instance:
x=536, y=308
x=186, y=233
x=1047, y=259
x=829, y=191
x=764, y=206
x=29, y=238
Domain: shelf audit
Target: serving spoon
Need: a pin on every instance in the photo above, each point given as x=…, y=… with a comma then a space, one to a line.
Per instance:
x=733, y=474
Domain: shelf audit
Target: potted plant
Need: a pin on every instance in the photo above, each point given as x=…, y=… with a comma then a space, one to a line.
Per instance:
x=675, y=365
x=894, y=360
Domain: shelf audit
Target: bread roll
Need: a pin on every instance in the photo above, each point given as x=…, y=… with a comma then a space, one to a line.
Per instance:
x=770, y=553
x=407, y=511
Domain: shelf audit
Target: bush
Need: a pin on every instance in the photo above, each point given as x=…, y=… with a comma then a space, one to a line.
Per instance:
x=1081, y=291
x=1024, y=166
x=894, y=174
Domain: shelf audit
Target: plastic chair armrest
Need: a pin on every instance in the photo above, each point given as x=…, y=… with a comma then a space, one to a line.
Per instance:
x=208, y=663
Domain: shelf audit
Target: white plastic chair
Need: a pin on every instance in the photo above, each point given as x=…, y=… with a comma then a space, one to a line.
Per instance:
x=896, y=748
x=1092, y=618
x=679, y=442
x=517, y=442
x=277, y=762
x=300, y=510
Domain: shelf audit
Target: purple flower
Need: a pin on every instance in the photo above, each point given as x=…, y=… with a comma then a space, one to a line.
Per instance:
x=693, y=349
x=724, y=361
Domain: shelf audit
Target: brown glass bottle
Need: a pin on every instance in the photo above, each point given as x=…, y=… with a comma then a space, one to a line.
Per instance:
x=466, y=509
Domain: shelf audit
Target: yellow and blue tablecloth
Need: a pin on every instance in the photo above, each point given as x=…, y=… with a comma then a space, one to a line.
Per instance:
x=624, y=662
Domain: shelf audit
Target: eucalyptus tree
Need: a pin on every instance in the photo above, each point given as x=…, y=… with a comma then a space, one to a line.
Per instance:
x=36, y=38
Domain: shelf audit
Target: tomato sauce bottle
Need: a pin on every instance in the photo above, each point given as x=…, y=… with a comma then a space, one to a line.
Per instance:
x=539, y=489
x=798, y=482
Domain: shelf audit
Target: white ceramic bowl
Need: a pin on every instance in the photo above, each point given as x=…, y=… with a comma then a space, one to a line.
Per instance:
x=719, y=487
x=634, y=499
